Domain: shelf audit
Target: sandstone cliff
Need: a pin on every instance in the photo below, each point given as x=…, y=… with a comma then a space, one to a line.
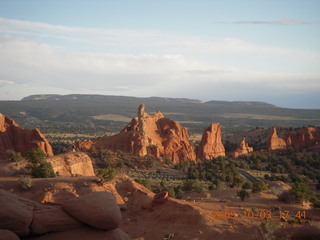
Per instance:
x=15, y=138
x=153, y=134
x=243, y=148
x=211, y=143
x=70, y=164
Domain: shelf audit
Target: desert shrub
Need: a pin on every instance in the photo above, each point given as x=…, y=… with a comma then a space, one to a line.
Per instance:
x=298, y=193
x=150, y=163
x=106, y=174
x=194, y=185
x=247, y=185
x=25, y=183
x=36, y=156
x=267, y=229
x=301, y=191
x=286, y=197
x=120, y=164
x=259, y=186
x=15, y=156
x=243, y=194
x=41, y=170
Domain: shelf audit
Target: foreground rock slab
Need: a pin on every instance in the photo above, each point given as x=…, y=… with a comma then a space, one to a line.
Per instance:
x=97, y=209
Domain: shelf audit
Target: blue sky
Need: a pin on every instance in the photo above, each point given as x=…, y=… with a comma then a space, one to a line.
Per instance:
x=208, y=50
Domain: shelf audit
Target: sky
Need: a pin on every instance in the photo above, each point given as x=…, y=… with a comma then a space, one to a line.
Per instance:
x=234, y=50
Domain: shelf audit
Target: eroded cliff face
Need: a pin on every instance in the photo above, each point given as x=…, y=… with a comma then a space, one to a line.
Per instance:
x=15, y=138
x=148, y=134
x=211, y=143
x=243, y=148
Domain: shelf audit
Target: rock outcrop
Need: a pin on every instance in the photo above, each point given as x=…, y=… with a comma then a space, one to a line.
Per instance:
x=15, y=138
x=153, y=134
x=304, y=138
x=243, y=148
x=275, y=142
x=71, y=164
x=95, y=215
x=211, y=143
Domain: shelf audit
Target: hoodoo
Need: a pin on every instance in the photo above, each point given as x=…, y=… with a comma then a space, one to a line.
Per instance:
x=243, y=148
x=211, y=143
x=275, y=142
x=15, y=138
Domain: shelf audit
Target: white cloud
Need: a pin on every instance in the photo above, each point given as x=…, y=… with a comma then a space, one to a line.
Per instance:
x=147, y=63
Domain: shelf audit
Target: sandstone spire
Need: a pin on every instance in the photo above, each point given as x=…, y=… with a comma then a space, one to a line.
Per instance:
x=243, y=148
x=211, y=143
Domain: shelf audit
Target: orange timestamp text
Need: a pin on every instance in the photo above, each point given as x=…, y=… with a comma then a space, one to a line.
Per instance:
x=262, y=214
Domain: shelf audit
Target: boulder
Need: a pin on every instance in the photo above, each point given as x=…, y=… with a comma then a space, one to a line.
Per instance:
x=15, y=138
x=8, y=235
x=52, y=219
x=211, y=143
x=70, y=164
x=243, y=148
x=97, y=209
x=16, y=213
x=275, y=142
x=148, y=134
x=85, y=233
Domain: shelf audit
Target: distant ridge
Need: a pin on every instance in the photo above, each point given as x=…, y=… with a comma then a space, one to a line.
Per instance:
x=243, y=103
x=181, y=100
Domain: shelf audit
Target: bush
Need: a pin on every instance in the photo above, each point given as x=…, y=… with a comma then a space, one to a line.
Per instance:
x=243, y=194
x=259, y=186
x=287, y=197
x=15, y=156
x=267, y=230
x=42, y=170
x=36, y=156
x=298, y=193
x=106, y=174
x=25, y=183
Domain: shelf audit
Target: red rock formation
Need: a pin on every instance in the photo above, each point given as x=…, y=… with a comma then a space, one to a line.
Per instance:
x=243, y=148
x=70, y=164
x=165, y=138
x=15, y=138
x=211, y=143
x=275, y=142
x=304, y=138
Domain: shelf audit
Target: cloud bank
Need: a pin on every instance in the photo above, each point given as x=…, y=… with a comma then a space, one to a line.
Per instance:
x=44, y=58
